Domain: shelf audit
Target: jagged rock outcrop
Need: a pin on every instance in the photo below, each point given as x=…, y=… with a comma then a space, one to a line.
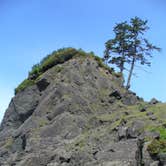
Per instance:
x=76, y=114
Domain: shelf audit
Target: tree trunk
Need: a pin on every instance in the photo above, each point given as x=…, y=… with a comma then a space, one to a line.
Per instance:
x=130, y=73
x=122, y=63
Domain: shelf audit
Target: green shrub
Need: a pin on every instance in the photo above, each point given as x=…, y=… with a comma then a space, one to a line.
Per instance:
x=61, y=56
x=162, y=132
x=156, y=147
x=35, y=72
x=101, y=64
x=57, y=57
x=23, y=85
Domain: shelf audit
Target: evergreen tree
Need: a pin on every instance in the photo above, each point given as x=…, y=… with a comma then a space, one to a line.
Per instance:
x=140, y=49
x=129, y=46
x=116, y=49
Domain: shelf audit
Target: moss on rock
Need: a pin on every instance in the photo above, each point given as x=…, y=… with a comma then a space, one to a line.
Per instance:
x=156, y=147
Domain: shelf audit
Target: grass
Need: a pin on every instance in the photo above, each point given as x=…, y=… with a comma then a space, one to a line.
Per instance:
x=23, y=85
x=161, y=130
x=8, y=143
x=101, y=64
x=116, y=118
x=42, y=122
x=158, y=146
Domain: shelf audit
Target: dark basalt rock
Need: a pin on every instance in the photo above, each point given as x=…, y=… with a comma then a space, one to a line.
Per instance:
x=162, y=158
x=149, y=113
x=42, y=84
x=21, y=108
x=129, y=98
x=143, y=109
x=151, y=135
x=135, y=130
x=122, y=132
x=153, y=117
x=77, y=114
x=116, y=94
x=153, y=101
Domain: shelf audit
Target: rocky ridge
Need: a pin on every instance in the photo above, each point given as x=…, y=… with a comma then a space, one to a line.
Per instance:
x=77, y=113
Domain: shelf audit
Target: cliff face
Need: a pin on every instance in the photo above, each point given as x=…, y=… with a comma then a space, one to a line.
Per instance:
x=78, y=113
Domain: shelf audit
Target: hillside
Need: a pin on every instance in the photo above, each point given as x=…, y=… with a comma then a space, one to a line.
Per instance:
x=72, y=110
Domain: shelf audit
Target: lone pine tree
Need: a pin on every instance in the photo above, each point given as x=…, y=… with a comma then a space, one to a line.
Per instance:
x=129, y=46
x=116, y=49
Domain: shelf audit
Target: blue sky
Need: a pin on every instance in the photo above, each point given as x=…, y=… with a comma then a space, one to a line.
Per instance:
x=31, y=29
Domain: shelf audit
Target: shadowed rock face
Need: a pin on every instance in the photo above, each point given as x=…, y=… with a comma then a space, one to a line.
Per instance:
x=73, y=116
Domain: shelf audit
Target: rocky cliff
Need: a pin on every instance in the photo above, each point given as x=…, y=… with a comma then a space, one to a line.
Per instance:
x=77, y=113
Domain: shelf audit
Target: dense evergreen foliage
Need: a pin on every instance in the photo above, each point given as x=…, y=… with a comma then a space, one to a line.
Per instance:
x=129, y=46
x=117, y=48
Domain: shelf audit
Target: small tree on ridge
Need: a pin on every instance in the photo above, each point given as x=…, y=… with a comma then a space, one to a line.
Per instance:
x=129, y=46
x=116, y=49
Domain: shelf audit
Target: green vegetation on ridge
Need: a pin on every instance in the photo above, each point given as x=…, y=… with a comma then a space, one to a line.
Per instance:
x=57, y=57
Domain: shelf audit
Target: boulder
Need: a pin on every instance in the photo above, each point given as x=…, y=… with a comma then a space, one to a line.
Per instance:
x=116, y=94
x=135, y=129
x=42, y=84
x=122, y=132
x=153, y=101
x=162, y=158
